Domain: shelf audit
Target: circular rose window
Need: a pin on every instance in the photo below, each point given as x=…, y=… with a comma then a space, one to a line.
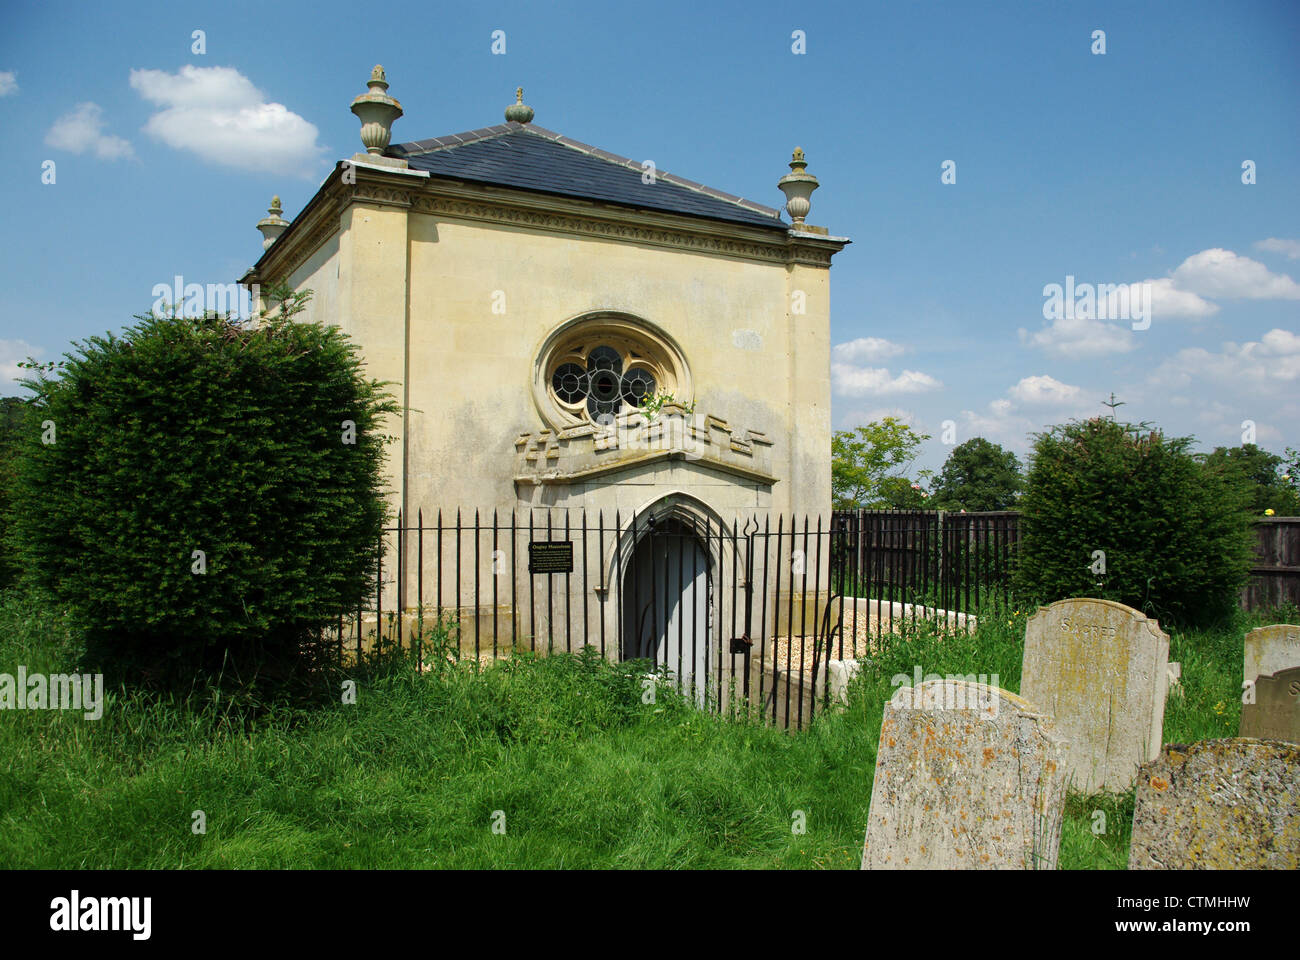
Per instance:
x=597, y=368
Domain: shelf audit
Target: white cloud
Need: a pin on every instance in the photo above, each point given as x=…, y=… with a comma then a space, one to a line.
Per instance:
x=1278, y=245
x=1220, y=389
x=1168, y=301
x=865, y=350
x=1000, y=426
x=1080, y=337
x=1102, y=333
x=82, y=130
x=217, y=113
x=851, y=381
x=1255, y=366
x=1010, y=420
x=1223, y=274
x=1215, y=273
x=1042, y=391
x=8, y=82
x=11, y=352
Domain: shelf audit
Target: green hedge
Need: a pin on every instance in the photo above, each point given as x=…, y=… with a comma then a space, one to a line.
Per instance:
x=187, y=435
x=1175, y=533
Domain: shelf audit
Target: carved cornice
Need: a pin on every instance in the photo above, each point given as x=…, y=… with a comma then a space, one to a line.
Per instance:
x=382, y=195
x=481, y=203
x=553, y=218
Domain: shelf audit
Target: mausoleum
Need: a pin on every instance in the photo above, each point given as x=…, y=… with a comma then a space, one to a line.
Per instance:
x=574, y=333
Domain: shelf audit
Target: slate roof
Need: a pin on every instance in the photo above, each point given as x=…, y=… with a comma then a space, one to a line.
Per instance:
x=529, y=157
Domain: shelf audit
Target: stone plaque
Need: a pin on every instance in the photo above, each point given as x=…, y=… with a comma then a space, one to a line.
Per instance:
x=1219, y=805
x=1270, y=649
x=1101, y=669
x=1275, y=714
x=968, y=776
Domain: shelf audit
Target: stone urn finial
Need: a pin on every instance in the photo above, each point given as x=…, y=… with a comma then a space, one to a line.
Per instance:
x=797, y=185
x=273, y=225
x=519, y=112
x=376, y=110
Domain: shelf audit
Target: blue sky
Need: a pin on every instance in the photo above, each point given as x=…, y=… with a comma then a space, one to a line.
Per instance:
x=1115, y=168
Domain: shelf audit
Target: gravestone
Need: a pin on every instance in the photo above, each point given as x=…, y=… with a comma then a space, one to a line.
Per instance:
x=841, y=674
x=1274, y=713
x=1102, y=670
x=1270, y=649
x=968, y=776
x=1219, y=805
x=1175, y=673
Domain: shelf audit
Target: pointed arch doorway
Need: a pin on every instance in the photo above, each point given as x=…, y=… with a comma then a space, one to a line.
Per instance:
x=666, y=593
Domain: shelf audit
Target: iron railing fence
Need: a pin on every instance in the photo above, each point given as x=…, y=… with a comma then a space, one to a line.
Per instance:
x=747, y=612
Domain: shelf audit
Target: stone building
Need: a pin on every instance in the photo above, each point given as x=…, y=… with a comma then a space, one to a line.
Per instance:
x=572, y=333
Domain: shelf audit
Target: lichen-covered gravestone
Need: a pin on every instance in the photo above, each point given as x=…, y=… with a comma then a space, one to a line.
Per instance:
x=1270, y=649
x=1272, y=710
x=968, y=776
x=1219, y=805
x=1102, y=670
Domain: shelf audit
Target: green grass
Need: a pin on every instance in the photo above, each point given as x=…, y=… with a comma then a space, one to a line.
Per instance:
x=585, y=774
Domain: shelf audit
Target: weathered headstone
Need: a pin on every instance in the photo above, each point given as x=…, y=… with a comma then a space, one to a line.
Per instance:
x=1219, y=805
x=1270, y=649
x=1102, y=670
x=968, y=776
x=1273, y=713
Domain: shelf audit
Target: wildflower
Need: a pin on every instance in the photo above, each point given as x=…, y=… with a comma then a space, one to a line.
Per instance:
x=1220, y=707
x=1268, y=512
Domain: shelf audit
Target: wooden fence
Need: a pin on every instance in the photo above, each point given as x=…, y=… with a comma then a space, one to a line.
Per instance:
x=903, y=538
x=1275, y=578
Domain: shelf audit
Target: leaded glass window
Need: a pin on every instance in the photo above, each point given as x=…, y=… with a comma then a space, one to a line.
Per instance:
x=604, y=380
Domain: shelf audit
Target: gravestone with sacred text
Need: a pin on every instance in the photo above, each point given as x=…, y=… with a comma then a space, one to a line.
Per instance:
x=968, y=776
x=1219, y=805
x=1101, y=669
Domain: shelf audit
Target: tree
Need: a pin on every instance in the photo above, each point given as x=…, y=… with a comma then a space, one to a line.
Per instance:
x=978, y=475
x=1121, y=512
x=862, y=460
x=12, y=420
x=903, y=493
x=209, y=495
x=1263, y=475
